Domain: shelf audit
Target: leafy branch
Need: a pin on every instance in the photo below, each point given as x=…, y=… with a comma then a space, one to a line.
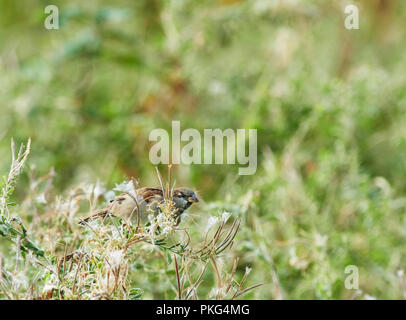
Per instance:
x=13, y=228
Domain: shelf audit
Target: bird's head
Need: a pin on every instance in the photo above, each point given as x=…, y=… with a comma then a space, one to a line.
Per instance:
x=184, y=198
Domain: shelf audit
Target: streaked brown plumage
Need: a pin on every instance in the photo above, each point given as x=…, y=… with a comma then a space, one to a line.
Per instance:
x=147, y=201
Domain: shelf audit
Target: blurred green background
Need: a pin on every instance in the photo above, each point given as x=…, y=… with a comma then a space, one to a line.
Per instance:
x=329, y=105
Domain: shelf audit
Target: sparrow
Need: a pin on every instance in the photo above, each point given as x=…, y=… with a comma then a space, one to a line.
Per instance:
x=147, y=201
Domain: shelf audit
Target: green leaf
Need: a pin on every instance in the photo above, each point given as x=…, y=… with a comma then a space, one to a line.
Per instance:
x=136, y=293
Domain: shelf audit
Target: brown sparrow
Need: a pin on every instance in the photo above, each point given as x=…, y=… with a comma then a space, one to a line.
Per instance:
x=147, y=201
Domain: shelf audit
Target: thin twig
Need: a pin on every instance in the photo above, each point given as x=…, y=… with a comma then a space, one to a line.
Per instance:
x=177, y=277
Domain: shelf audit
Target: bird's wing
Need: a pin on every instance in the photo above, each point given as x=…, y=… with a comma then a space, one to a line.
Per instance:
x=149, y=195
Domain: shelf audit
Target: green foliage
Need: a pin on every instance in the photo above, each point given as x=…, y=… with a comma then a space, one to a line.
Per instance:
x=329, y=105
x=12, y=228
x=136, y=293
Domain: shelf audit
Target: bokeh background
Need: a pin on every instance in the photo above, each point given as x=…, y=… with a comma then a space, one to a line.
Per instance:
x=328, y=103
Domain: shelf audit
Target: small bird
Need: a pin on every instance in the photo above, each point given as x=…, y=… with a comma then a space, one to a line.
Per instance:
x=147, y=201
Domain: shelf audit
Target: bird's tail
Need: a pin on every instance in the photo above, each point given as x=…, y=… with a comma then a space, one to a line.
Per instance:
x=99, y=214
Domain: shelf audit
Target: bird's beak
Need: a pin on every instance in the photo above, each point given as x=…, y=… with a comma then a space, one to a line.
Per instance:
x=193, y=199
